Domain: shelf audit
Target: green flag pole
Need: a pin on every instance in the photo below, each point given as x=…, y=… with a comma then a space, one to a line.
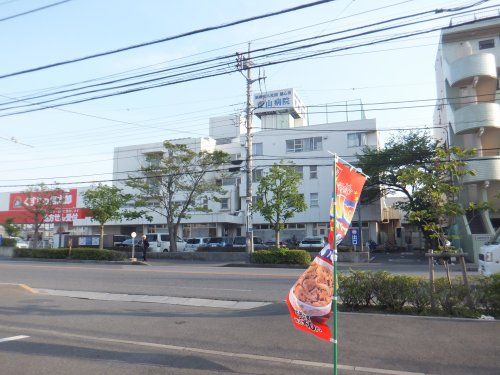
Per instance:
x=334, y=258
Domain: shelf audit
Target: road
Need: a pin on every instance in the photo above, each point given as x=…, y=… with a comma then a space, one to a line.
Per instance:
x=80, y=336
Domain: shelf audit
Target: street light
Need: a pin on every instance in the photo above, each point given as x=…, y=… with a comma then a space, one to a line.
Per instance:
x=133, y=234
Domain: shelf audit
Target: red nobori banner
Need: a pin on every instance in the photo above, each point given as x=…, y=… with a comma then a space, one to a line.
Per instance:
x=310, y=298
x=18, y=201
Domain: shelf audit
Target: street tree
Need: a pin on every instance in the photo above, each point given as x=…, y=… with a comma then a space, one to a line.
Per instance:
x=11, y=229
x=177, y=181
x=106, y=203
x=427, y=174
x=41, y=202
x=278, y=197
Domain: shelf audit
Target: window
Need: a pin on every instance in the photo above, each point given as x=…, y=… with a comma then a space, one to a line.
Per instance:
x=313, y=172
x=228, y=181
x=299, y=169
x=256, y=175
x=487, y=43
x=257, y=149
x=153, y=158
x=356, y=139
x=224, y=204
x=304, y=144
x=255, y=199
x=313, y=200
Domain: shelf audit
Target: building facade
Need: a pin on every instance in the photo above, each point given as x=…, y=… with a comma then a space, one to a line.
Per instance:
x=467, y=114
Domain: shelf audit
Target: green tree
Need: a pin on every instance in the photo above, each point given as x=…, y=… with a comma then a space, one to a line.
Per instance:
x=426, y=173
x=177, y=181
x=278, y=196
x=11, y=229
x=42, y=202
x=106, y=203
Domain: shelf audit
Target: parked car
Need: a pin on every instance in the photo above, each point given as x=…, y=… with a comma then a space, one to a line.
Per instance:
x=192, y=244
x=489, y=256
x=128, y=243
x=272, y=243
x=160, y=242
x=312, y=243
x=220, y=241
x=20, y=243
x=240, y=241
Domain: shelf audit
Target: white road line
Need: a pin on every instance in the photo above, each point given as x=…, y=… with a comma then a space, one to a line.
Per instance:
x=13, y=338
x=185, y=349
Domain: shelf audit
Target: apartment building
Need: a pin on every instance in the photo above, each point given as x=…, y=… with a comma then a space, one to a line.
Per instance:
x=467, y=114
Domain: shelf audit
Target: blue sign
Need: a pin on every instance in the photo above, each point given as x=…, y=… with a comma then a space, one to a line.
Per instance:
x=354, y=236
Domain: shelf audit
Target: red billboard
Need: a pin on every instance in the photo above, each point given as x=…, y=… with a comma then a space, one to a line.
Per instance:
x=64, y=212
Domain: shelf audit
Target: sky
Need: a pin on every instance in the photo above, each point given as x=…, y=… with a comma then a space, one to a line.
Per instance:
x=74, y=144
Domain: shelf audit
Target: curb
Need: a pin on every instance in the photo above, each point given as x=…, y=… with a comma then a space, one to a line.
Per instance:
x=47, y=260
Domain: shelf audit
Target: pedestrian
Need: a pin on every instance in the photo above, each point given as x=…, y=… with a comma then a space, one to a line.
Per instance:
x=145, y=246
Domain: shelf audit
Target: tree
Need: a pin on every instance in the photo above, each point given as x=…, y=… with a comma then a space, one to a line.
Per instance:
x=426, y=173
x=41, y=202
x=278, y=196
x=11, y=229
x=176, y=181
x=105, y=203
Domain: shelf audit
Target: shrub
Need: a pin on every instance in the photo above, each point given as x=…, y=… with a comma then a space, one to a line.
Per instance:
x=22, y=253
x=96, y=254
x=392, y=291
x=487, y=293
x=77, y=253
x=49, y=253
x=7, y=241
x=419, y=297
x=451, y=300
x=281, y=256
x=355, y=289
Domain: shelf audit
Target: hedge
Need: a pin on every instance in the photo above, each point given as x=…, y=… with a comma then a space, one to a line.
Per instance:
x=76, y=253
x=6, y=241
x=397, y=293
x=281, y=256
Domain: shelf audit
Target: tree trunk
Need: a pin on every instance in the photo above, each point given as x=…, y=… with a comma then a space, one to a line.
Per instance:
x=277, y=237
x=101, y=241
x=172, y=231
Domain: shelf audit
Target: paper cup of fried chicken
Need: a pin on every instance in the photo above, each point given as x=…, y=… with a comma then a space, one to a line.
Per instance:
x=312, y=293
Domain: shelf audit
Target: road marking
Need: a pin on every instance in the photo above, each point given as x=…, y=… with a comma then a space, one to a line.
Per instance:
x=290, y=361
x=183, y=301
x=13, y=338
x=147, y=269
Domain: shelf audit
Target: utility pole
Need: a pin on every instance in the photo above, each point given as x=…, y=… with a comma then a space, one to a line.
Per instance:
x=245, y=63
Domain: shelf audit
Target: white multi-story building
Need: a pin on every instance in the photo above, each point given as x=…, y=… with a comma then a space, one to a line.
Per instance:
x=284, y=136
x=468, y=115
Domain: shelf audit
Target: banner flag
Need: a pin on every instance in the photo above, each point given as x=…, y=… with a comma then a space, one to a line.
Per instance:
x=310, y=298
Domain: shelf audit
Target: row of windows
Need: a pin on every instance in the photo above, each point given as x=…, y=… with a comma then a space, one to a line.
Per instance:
x=312, y=144
x=287, y=226
x=313, y=172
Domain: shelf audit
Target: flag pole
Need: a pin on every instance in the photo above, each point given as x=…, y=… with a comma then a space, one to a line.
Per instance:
x=334, y=258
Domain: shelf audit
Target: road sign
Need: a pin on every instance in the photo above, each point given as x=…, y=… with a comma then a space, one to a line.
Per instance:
x=354, y=236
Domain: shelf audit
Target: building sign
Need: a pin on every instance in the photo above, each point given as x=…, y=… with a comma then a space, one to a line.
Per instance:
x=279, y=101
x=354, y=236
x=64, y=212
x=18, y=201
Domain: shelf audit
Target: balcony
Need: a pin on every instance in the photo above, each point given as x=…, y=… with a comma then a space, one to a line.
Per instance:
x=470, y=118
x=463, y=71
x=486, y=168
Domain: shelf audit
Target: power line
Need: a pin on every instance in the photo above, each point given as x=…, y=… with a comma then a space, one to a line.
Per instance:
x=162, y=40
x=33, y=10
x=227, y=56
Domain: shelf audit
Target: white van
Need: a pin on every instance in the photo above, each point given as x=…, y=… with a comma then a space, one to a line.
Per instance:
x=160, y=242
x=489, y=256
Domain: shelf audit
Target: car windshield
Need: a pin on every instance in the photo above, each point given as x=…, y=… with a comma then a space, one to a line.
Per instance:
x=193, y=241
x=239, y=240
x=311, y=240
x=215, y=240
x=151, y=237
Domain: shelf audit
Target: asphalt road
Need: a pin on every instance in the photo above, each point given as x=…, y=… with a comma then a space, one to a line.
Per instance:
x=77, y=336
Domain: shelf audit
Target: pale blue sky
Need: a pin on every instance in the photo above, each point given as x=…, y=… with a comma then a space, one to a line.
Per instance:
x=68, y=144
